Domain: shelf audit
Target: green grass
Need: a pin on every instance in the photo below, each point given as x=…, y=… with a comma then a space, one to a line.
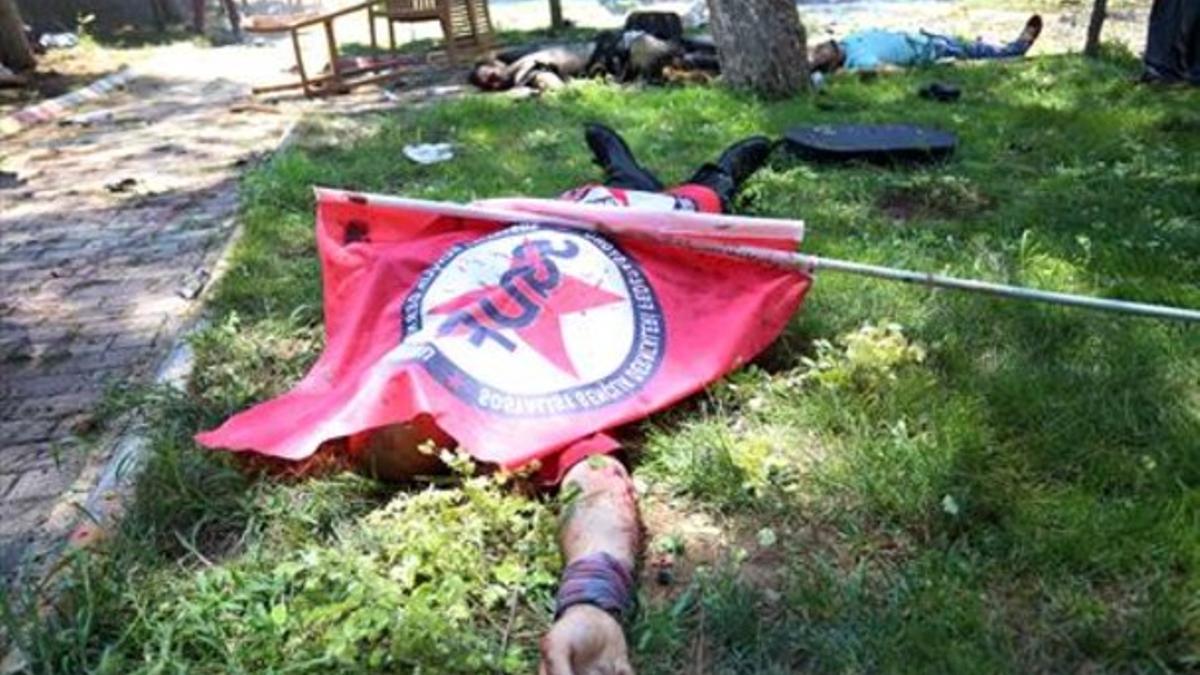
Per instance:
x=911, y=481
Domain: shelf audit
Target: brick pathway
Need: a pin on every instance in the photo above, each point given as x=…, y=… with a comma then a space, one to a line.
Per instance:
x=103, y=249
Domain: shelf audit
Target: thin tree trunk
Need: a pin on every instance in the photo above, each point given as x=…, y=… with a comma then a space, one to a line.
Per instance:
x=15, y=51
x=761, y=44
x=1095, y=26
x=556, y=15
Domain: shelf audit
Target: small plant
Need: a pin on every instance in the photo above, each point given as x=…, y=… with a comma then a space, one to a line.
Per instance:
x=865, y=359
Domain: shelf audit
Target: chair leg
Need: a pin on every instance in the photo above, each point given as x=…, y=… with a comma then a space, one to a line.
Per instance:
x=392, y=33
x=331, y=44
x=371, y=25
x=448, y=39
x=300, y=63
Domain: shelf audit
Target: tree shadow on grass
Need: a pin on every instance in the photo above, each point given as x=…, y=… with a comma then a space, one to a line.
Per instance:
x=1083, y=480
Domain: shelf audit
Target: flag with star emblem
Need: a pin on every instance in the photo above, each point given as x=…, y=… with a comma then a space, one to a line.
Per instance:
x=516, y=326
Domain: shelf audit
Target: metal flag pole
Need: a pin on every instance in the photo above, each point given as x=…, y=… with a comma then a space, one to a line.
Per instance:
x=811, y=263
x=787, y=259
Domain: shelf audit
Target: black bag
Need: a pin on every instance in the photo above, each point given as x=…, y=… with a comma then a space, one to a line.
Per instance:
x=662, y=25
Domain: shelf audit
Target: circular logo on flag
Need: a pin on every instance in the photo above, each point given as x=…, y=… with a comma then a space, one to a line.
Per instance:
x=536, y=320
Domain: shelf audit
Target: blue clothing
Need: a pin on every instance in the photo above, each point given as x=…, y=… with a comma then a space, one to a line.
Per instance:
x=868, y=50
x=946, y=47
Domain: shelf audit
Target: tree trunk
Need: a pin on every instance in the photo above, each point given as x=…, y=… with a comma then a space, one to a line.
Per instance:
x=15, y=51
x=1099, y=14
x=167, y=12
x=556, y=15
x=761, y=44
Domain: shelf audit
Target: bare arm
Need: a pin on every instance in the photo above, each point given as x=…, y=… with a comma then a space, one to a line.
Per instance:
x=602, y=517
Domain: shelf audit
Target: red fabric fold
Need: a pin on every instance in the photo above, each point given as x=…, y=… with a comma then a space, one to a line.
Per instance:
x=519, y=340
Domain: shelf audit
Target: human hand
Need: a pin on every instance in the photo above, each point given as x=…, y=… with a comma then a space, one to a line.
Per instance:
x=585, y=640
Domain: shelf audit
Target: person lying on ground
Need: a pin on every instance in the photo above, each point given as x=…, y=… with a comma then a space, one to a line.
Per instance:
x=875, y=50
x=1173, y=43
x=623, y=55
x=600, y=527
x=635, y=54
x=541, y=68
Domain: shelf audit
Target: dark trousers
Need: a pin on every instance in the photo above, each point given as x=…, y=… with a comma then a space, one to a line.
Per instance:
x=231, y=9
x=1173, y=42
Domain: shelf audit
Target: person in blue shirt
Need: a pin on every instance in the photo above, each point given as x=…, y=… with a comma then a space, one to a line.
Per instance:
x=873, y=50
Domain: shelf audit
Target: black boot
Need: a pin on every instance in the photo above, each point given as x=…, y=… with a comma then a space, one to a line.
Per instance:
x=614, y=156
x=733, y=167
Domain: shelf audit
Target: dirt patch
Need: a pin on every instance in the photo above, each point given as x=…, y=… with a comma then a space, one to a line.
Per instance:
x=683, y=541
x=936, y=198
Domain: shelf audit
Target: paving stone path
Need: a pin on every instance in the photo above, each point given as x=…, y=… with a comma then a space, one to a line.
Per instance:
x=105, y=244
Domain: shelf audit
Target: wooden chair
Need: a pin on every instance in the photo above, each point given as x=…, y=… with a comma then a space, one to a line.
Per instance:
x=470, y=28
x=406, y=11
x=466, y=24
x=338, y=79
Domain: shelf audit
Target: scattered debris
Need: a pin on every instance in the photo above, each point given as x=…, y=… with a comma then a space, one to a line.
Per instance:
x=58, y=40
x=191, y=288
x=429, y=153
x=9, y=180
x=254, y=107
x=123, y=185
x=941, y=92
x=169, y=148
x=90, y=119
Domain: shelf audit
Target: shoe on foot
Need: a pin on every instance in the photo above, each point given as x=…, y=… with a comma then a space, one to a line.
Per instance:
x=1033, y=28
x=743, y=158
x=733, y=167
x=611, y=153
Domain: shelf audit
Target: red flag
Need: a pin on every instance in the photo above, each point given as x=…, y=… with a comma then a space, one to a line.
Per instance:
x=521, y=340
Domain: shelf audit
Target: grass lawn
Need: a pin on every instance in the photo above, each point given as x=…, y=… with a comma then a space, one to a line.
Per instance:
x=908, y=481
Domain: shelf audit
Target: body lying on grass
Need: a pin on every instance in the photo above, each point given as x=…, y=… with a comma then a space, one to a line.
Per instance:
x=876, y=50
x=623, y=55
x=600, y=530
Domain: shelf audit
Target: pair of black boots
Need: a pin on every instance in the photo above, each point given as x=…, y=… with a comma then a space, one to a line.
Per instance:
x=724, y=176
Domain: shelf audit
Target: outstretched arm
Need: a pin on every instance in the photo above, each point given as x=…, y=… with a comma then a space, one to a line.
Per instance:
x=599, y=537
